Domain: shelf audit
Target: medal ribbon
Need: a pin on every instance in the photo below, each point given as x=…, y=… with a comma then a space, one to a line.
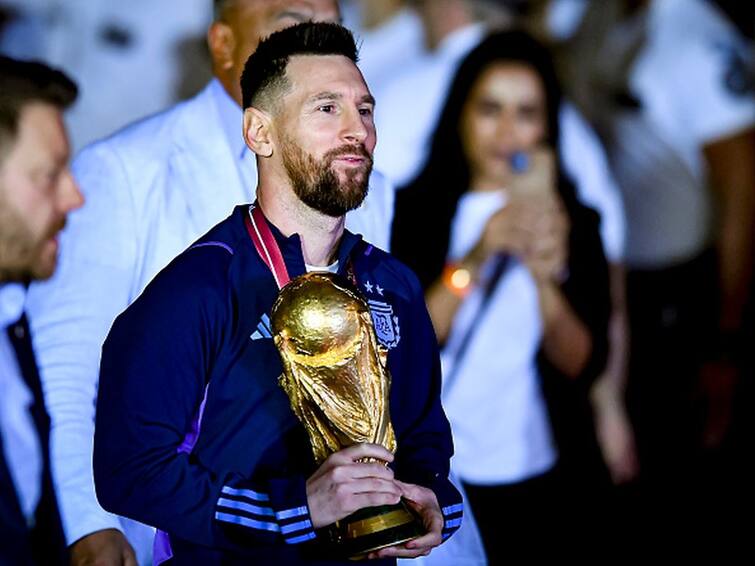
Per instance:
x=268, y=249
x=265, y=244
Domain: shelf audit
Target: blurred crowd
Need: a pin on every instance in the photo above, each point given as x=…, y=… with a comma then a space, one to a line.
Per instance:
x=572, y=181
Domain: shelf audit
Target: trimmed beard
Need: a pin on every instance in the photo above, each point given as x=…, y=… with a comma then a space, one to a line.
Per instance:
x=20, y=251
x=316, y=183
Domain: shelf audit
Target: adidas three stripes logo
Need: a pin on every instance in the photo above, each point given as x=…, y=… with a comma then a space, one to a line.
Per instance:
x=263, y=329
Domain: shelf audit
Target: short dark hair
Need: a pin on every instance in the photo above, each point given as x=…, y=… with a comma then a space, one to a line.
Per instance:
x=265, y=70
x=218, y=9
x=24, y=82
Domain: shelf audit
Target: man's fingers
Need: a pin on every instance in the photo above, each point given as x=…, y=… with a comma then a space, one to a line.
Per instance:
x=358, y=501
x=429, y=540
x=402, y=551
x=366, y=485
x=356, y=471
x=362, y=451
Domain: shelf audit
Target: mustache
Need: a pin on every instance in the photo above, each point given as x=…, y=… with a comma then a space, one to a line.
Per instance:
x=359, y=150
x=57, y=227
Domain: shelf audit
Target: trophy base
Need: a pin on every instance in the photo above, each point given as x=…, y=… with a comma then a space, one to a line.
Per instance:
x=373, y=528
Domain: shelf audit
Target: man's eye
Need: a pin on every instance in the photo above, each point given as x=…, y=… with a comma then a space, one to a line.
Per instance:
x=365, y=111
x=327, y=108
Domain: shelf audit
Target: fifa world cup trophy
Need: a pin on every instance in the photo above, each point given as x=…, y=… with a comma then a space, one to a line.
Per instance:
x=335, y=375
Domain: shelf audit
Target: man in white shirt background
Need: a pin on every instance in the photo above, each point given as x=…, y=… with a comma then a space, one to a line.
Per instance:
x=667, y=84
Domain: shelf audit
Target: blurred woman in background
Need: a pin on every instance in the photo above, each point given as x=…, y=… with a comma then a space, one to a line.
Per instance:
x=517, y=287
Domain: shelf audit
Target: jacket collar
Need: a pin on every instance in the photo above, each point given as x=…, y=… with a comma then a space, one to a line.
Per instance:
x=291, y=249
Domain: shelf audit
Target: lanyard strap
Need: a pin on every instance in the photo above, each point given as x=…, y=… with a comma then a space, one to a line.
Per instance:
x=266, y=246
x=269, y=250
x=500, y=266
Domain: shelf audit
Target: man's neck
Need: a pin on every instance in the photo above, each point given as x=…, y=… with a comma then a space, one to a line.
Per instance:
x=320, y=234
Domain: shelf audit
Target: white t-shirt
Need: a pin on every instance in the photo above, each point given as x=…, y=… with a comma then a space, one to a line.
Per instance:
x=683, y=78
x=494, y=401
x=332, y=268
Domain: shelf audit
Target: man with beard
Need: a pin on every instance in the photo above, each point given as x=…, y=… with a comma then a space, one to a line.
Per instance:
x=151, y=189
x=193, y=434
x=36, y=193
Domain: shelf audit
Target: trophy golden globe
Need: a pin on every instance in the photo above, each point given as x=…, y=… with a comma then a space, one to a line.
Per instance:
x=335, y=375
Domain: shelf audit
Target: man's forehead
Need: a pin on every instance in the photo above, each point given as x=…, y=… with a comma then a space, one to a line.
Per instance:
x=299, y=10
x=313, y=74
x=41, y=127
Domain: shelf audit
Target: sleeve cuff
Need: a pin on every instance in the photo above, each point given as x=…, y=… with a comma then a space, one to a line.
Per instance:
x=452, y=517
x=451, y=506
x=281, y=510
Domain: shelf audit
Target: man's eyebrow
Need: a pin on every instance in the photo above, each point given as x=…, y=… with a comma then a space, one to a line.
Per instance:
x=368, y=99
x=328, y=95
x=325, y=95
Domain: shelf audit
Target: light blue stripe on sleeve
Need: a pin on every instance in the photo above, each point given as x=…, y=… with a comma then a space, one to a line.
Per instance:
x=446, y=535
x=248, y=507
x=288, y=513
x=285, y=529
x=302, y=538
x=246, y=522
x=451, y=523
x=453, y=508
x=248, y=493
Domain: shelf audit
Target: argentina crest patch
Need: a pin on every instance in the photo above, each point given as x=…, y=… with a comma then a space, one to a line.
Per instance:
x=385, y=323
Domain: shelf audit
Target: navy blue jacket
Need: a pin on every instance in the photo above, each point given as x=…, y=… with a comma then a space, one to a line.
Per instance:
x=195, y=436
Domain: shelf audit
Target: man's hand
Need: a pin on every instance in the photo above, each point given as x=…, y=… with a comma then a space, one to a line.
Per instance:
x=425, y=504
x=103, y=548
x=344, y=483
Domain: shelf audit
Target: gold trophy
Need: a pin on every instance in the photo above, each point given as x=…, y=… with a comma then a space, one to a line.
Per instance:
x=335, y=375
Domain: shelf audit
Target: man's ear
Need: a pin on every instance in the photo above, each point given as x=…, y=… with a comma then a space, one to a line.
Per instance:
x=257, y=131
x=221, y=42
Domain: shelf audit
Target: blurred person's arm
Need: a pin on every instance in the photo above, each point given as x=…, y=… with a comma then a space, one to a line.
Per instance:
x=567, y=343
x=732, y=173
x=70, y=316
x=607, y=395
x=585, y=162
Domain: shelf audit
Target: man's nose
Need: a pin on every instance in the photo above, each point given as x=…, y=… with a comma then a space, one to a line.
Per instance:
x=69, y=194
x=354, y=128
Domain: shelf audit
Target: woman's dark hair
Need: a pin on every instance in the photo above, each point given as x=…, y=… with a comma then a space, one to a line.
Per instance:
x=445, y=177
